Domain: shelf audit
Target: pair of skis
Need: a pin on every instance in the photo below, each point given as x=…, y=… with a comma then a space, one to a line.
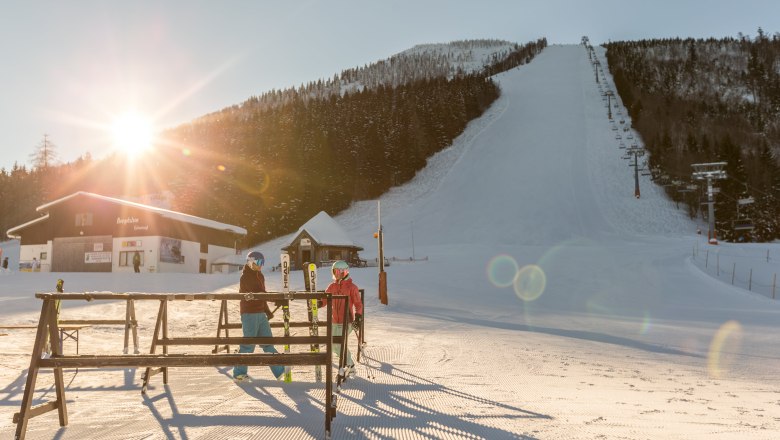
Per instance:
x=286, y=311
x=314, y=317
x=311, y=276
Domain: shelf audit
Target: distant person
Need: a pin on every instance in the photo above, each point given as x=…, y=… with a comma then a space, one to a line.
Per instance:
x=137, y=262
x=342, y=285
x=5, y=263
x=35, y=265
x=255, y=313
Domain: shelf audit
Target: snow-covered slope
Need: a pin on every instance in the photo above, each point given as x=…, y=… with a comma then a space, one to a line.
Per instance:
x=552, y=304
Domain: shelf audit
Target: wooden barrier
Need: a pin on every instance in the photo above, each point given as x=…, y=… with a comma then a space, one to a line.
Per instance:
x=130, y=323
x=225, y=324
x=66, y=332
x=159, y=363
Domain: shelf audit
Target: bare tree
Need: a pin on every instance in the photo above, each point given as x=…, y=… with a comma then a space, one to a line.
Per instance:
x=45, y=154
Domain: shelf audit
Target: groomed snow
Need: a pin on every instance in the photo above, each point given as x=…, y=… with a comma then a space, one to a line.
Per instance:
x=614, y=327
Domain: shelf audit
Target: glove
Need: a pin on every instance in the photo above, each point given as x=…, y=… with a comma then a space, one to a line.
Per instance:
x=320, y=303
x=358, y=320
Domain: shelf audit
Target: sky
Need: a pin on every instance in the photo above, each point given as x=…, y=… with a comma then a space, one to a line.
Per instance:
x=71, y=69
x=547, y=302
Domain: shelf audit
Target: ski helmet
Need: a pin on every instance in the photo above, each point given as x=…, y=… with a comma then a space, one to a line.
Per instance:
x=256, y=257
x=340, y=270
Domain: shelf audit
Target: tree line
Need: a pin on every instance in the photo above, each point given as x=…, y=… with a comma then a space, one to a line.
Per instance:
x=709, y=100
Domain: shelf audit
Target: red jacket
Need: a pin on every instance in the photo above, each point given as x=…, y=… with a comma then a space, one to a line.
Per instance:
x=344, y=287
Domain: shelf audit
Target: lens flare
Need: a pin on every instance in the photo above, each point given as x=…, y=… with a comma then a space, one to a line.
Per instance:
x=723, y=348
x=646, y=324
x=530, y=282
x=501, y=270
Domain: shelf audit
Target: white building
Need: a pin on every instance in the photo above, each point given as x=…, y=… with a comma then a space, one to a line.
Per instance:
x=86, y=232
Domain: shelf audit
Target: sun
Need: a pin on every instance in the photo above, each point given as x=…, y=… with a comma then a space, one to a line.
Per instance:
x=133, y=133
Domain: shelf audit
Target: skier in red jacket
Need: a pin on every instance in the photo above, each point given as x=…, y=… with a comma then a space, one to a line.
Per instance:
x=342, y=285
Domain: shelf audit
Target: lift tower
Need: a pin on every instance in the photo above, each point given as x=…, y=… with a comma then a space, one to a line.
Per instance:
x=709, y=172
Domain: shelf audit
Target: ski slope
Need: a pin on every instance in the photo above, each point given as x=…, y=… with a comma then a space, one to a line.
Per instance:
x=552, y=304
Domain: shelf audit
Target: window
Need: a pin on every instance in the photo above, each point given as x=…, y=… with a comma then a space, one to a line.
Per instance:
x=204, y=248
x=126, y=258
x=84, y=219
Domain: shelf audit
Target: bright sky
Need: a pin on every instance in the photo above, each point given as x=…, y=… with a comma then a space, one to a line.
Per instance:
x=71, y=69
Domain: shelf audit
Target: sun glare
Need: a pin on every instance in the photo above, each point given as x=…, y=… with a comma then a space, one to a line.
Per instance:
x=133, y=134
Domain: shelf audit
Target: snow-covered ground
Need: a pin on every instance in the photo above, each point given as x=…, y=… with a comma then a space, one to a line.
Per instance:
x=553, y=304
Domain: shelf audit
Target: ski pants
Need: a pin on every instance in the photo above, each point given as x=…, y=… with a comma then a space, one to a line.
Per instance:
x=255, y=325
x=337, y=328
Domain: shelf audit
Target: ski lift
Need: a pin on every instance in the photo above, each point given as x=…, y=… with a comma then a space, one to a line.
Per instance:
x=744, y=224
x=614, y=128
x=618, y=136
x=630, y=136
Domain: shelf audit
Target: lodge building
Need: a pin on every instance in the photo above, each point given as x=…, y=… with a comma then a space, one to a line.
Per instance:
x=322, y=241
x=87, y=232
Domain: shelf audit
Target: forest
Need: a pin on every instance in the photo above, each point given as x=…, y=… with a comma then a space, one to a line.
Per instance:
x=703, y=101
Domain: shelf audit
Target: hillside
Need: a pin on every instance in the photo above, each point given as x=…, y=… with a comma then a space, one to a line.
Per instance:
x=553, y=305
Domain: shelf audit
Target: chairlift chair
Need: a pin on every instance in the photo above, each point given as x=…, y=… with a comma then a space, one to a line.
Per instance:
x=744, y=224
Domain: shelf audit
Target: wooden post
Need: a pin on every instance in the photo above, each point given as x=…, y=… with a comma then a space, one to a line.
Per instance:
x=717, y=263
x=706, y=258
x=131, y=323
x=32, y=373
x=750, y=283
x=733, y=271
x=222, y=324
x=147, y=375
x=59, y=381
x=330, y=402
x=774, y=283
x=165, y=336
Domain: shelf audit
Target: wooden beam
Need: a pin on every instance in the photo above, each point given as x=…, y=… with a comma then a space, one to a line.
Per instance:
x=38, y=410
x=269, y=296
x=184, y=360
x=274, y=340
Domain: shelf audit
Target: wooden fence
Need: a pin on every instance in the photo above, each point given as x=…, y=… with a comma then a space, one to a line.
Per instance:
x=159, y=363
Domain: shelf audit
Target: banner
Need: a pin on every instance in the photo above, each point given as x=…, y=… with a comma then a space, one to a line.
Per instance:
x=170, y=251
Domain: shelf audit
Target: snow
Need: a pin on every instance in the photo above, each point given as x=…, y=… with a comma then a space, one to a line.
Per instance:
x=614, y=327
x=153, y=209
x=325, y=231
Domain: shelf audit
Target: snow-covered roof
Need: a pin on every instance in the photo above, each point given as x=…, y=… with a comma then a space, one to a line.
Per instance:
x=11, y=232
x=325, y=231
x=178, y=216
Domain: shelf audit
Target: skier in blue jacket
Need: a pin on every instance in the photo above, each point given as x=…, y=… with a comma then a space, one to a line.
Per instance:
x=255, y=313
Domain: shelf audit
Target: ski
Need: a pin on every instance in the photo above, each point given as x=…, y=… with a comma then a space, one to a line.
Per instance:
x=285, y=261
x=314, y=318
x=345, y=373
